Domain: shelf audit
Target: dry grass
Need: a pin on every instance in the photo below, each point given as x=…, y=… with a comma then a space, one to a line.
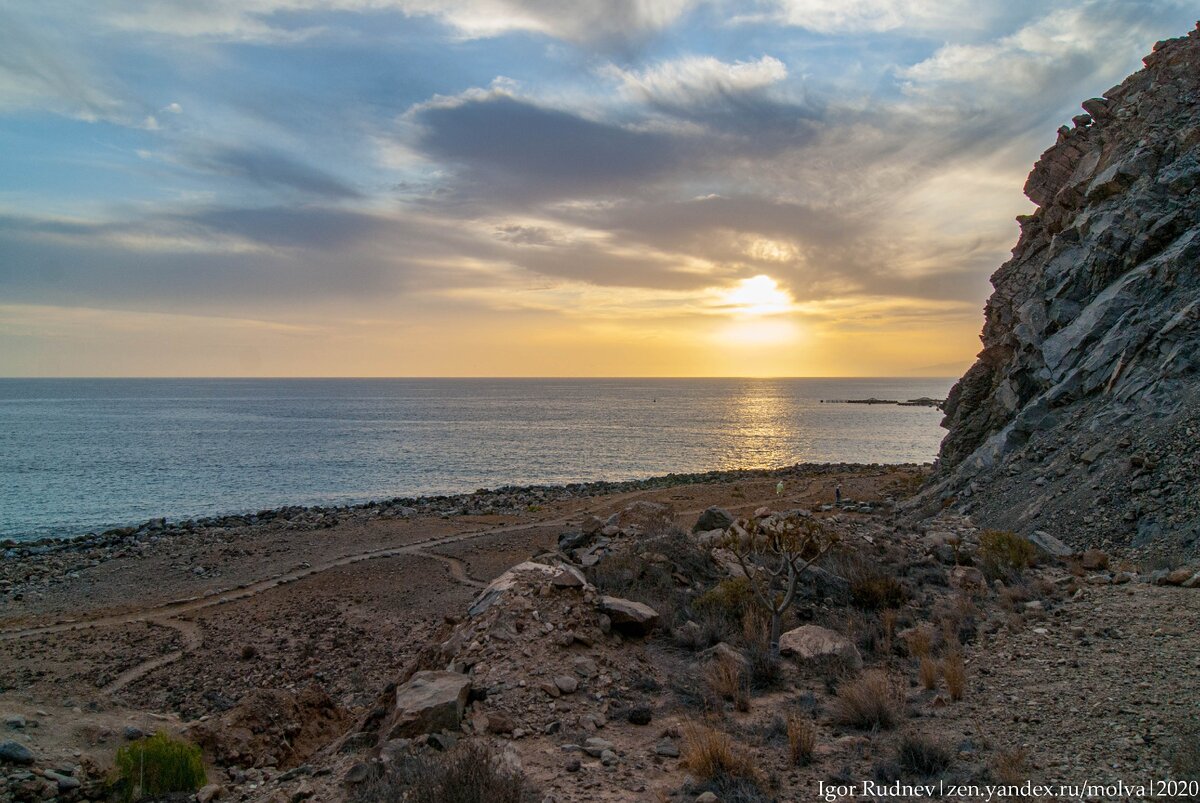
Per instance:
x=470, y=772
x=887, y=622
x=871, y=701
x=929, y=671
x=710, y=755
x=955, y=673
x=802, y=740
x=727, y=680
x=1011, y=766
x=919, y=641
x=922, y=755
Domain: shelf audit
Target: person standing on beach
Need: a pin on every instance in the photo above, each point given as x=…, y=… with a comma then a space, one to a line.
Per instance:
x=837, y=494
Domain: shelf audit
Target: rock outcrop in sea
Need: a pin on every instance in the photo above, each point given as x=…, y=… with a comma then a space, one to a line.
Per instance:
x=1082, y=415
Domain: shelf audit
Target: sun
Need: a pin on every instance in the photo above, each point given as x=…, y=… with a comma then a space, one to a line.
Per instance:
x=756, y=296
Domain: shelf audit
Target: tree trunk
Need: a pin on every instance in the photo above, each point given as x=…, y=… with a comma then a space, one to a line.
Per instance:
x=776, y=626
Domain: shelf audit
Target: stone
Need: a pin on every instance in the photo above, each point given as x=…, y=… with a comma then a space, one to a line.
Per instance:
x=14, y=722
x=714, y=518
x=430, y=701
x=707, y=797
x=595, y=746
x=572, y=765
x=1049, y=544
x=528, y=573
x=967, y=577
x=64, y=783
x=608, y=758
x=723, y=652
x=666, y=748
x=358, y=773
x=1093, y=560
x=639, y=715
x=1192, y=582
x=15, y=753
x=812, y=642
x=1178, y=577
x=132, y=733
x=628, y=617
x=209, y=793
x=566, y=684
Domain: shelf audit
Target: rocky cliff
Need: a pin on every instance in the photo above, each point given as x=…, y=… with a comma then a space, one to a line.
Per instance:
x=1082, y=415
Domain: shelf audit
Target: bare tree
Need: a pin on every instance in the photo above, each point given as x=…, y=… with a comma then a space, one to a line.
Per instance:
x=773, y=552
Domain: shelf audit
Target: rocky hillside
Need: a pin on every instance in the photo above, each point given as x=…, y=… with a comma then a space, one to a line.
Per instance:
x=1082, y=415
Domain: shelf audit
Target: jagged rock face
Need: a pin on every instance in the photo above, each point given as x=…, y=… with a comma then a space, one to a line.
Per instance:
x=1082, y=415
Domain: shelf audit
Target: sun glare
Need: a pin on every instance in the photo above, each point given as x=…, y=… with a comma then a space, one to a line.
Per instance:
x=759, y=295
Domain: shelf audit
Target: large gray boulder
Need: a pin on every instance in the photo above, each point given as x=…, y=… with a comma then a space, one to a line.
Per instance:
x=628, y=617
x=714, y=518
x=812, y=643
x=429, y=702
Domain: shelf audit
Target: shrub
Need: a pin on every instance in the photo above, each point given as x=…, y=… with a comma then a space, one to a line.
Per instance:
x=726, y=680
x=919, y=641
x=922, y=755
x=955, y=673
x=871, y=701
x=711, y=755
x=872, y=587
x=1003, y=555
x=728, y=598
x=928, y=672
x=1009, y=766
x=802, y=740
x=469, y=772
x=765, y=666
x=156, y=766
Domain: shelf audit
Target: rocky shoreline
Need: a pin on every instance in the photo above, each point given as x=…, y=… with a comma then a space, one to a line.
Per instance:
x=504, y=500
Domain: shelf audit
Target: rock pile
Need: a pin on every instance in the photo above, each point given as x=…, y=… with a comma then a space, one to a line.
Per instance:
x=1084, y=406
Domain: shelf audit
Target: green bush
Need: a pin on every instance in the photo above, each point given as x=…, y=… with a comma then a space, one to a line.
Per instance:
x=1004, y=554
x=157, y=766
x=729, y=598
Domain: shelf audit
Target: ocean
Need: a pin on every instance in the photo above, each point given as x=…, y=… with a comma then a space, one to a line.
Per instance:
x=81, y=455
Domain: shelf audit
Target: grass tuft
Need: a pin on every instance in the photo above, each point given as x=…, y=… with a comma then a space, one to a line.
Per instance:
x=871, y=701
x=157, y=766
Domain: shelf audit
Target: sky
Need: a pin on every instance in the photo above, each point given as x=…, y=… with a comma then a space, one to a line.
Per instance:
x=527, y=187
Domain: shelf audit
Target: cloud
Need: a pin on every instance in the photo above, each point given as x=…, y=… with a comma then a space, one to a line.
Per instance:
x=693, y=80
x=270, y=169
x=613, y=23
x=872, y=16
x=507, y=146
x=38, y=70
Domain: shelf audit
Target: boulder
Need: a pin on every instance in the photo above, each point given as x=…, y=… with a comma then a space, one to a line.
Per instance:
x=1094, y=560
x=811, y=642
x=1049, y=544
x=15, y=753
x=430, y=701
x=1178, y=577
x=558, y=575
x=714, y=518
x=967, y=577
x=628, y=617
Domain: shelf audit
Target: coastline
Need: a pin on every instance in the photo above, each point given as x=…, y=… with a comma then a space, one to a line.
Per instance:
x=502, y=500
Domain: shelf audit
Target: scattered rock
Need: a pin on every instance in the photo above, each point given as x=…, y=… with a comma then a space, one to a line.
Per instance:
x=714, y=518
x=430, y=701
x=628, y=617
x=810, y=642
x=15, y=753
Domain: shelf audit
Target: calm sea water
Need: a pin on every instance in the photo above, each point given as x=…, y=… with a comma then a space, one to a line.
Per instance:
x=80, y=455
